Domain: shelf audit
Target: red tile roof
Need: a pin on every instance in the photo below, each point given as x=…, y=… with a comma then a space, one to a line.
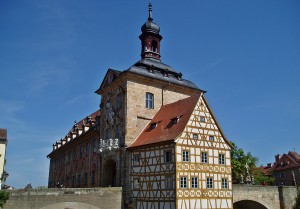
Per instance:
x=165, y=129
x=287, y=161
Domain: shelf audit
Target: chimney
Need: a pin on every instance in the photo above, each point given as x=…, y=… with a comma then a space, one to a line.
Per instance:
x=277, y=157
x=269, y=165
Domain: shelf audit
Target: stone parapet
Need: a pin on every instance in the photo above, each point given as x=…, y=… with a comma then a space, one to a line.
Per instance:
x=75, y=198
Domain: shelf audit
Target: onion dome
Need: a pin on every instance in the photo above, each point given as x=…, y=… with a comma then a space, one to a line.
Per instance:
x=150, y=26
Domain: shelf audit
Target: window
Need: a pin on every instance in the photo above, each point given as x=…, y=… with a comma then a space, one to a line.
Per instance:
x=202, y=119
x=119, y=101
x=95, y=145
x=224, y=184
x=93, y=177
x=211, y=138
x=85, y=179
x=168, y=182
x=168, y=157
x=183, y=183
x=80, y=152
x=136, y=183
x=73, y=181
x=195, y=136
x=79, y=180
x=136, y=159
x=276, y=175
x=194, y=182
x=185, y=156
x=74, y=154
x=149, y=100
x=221, y=159
x=204, y=157
x=87, y=149
x=282, y=175
x=118, y=131
x=209, y=183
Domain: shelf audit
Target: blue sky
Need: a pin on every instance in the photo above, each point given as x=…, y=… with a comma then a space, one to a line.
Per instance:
x=54, y=54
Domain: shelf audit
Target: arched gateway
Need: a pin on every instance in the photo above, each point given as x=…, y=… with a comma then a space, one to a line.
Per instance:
x=109, y=173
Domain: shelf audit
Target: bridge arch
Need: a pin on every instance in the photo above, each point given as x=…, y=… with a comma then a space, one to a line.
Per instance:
x=248, y=204
x=69, y=205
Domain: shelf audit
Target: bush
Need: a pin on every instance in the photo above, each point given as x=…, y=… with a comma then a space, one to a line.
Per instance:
x=4, y=195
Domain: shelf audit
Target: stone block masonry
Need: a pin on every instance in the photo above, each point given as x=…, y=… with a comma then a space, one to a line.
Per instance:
x=79, y=198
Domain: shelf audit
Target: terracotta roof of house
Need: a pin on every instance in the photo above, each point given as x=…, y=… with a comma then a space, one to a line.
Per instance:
x=163, y=127
x=283, y=164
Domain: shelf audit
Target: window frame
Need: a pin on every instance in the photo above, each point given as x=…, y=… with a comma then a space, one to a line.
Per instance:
x=209, y=183
x=202, y=119
x=136, y=159
x=195, y=136
x=149, y=100
x=185, y=156
x=224, y=183
x=183, y=182
x=222, y=160
x=204, y=159
x=168, y=182
x=194, y=182
x=168, y=157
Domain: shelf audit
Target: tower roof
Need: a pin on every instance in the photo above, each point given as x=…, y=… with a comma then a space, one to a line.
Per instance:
x=150, y=26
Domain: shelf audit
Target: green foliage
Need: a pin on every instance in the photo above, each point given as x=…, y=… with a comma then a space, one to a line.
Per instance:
x=238, y=161
x=4, y=195
x=260, y=178
x=297, y=203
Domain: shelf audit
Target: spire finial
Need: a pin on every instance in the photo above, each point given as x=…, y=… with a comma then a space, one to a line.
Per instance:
x=150, y=12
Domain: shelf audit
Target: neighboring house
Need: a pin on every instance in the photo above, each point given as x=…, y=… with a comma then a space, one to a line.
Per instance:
x=74, y=161
x=286, y=169
x=182, y=159
x=158, y=139
x=3, y=143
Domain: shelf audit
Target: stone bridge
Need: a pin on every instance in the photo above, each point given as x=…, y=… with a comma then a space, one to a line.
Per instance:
x=244, y=197
x=263, y=197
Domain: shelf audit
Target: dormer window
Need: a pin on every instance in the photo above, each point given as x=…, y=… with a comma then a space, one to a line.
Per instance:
x=153, y=125
x=175, y=120
x=151, y=69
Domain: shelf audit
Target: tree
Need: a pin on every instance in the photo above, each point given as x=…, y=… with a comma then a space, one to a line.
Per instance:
x=4, y=195
x=238, y=161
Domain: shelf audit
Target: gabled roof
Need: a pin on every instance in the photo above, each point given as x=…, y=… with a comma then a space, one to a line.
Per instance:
x=286, y=161
x=105, y=82
x=168, y=122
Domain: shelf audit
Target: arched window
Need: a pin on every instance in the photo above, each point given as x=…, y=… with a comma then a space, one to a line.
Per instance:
x=154, y=46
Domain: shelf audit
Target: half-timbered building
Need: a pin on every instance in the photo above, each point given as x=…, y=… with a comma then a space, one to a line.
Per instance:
x=158, y=138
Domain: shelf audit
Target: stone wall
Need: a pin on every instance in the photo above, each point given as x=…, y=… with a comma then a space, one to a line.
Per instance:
x=91, y=198
x=271, y=197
